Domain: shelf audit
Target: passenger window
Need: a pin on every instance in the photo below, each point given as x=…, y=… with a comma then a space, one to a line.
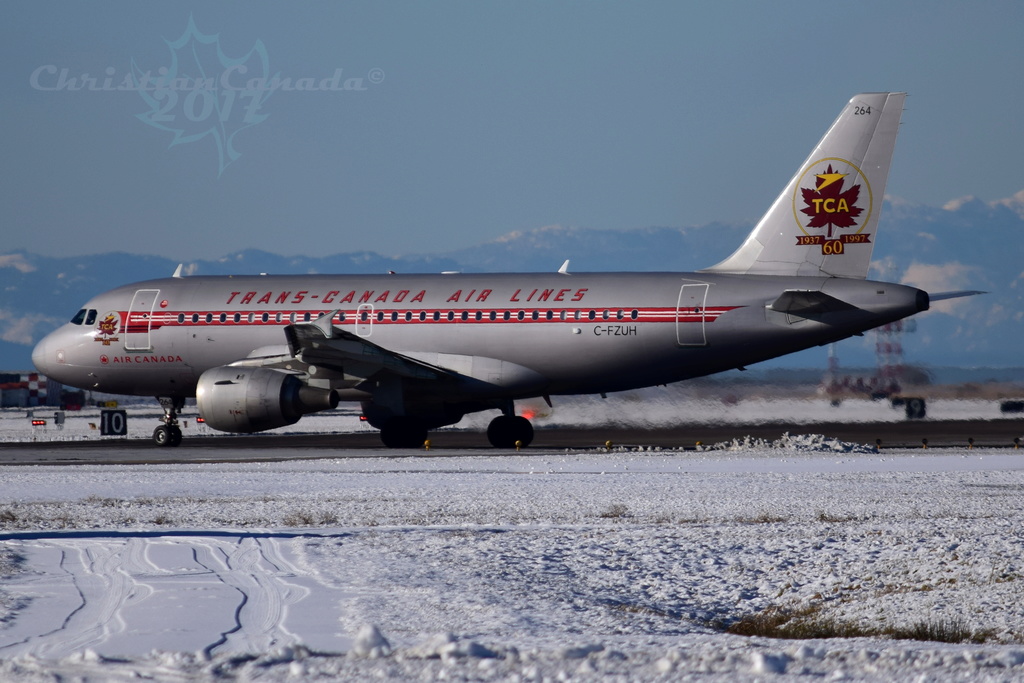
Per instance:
x=451, y=315
x=592, y=315
x=209, y=317
x=79, y=317
x=195, y=317
x=394, y=316
x=223, y=317
x=265, y=317
x=437, y=315
x=549, y=315
x=634, y=314
x=238, y=317
x=90, y=317
x=521, y=315
x=493, y=315
x=506, y=315
x=181, y=318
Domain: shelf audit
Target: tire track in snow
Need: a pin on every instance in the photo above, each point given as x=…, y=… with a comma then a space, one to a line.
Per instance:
x=106, y=587
x=93, y=574
x=264, y=597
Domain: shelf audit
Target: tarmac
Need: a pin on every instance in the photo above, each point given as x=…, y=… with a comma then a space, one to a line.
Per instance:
x=268, y=447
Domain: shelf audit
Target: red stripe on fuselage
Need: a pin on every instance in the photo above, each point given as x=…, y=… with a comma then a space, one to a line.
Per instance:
x=141, y=323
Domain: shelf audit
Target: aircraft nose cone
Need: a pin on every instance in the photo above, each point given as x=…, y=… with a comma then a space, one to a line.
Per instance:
x=44, y=355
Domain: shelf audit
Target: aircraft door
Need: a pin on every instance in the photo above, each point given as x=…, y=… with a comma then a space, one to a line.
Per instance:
x=690, y=315
x=364, y=320
x=138, y=326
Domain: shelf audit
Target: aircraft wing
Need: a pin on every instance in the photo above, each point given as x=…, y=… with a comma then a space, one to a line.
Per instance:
x=320, y=348
x=321, y=344
x=805, y=301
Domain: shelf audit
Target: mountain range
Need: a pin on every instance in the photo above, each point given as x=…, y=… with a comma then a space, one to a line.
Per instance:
x=966, y=244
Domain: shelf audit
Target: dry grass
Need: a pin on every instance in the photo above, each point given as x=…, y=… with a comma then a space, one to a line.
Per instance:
x=809, y=623
x=615, y=511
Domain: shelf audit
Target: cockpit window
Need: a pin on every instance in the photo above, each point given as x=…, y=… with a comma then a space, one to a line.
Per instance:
x=79, y=317
x=91, y=317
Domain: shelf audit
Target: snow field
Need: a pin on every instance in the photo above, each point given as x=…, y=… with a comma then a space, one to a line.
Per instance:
x=610, y=566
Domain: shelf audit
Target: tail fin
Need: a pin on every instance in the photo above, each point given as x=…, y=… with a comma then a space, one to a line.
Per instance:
x=825, y=221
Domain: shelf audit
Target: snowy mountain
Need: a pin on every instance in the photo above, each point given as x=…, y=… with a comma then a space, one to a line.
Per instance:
x=966, y=244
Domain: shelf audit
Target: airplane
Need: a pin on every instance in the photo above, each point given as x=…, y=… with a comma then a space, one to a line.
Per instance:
x=420, y=351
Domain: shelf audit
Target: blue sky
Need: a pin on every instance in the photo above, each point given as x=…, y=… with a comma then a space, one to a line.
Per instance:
x=469, y=120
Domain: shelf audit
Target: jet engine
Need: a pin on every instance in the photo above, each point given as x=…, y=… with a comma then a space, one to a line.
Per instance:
x=242, y=399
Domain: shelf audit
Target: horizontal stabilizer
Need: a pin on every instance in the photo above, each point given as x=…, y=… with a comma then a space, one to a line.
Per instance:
x=805, y=301
x=942, y=296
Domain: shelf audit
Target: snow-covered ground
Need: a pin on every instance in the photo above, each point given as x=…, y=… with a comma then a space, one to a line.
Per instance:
x=547, y=566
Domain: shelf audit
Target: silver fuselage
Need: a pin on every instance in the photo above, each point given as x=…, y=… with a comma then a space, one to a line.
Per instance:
x=518, y=335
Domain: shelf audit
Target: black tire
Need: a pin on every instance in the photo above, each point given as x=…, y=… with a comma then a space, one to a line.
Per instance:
x=916, y=408
x=504, y=431
x=403, y=432
x=176, y=435
x=499, y=432
x=523, y=431
x=163, y=436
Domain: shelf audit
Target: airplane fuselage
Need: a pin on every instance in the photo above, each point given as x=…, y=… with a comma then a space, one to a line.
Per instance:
x=557, y=334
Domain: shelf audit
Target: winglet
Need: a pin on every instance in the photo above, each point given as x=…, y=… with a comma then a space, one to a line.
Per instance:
x=564, y=270
x=323, y=323
x=177, y=271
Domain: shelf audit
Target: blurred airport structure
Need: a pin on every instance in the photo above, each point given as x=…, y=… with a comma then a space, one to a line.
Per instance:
x=30, y=389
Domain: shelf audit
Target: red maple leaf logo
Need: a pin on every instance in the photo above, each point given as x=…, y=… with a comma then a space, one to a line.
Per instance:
x=108, y=325
x=828, y=205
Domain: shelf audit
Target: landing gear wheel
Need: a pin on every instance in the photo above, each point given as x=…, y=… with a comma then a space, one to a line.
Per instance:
x=403, y=432
x=167, y=435
x=505, y=430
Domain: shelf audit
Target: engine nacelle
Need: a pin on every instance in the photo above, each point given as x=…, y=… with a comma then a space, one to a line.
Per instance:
x=242, y=399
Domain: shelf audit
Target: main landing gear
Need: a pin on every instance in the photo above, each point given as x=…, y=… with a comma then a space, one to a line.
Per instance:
x=169, y=433
x=403, y=432
x=510, y=431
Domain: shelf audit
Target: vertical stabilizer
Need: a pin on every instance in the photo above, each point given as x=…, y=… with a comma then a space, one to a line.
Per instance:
x=825, y=221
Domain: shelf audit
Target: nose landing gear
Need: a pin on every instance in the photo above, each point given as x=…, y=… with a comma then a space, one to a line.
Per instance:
x=169, y=433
